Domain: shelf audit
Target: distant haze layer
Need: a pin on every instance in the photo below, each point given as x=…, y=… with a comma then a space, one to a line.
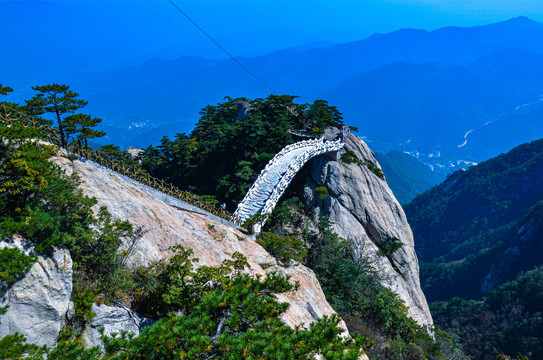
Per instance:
x=448, y=96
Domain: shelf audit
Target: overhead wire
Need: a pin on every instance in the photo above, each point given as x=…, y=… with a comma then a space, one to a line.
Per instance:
x=221, y=47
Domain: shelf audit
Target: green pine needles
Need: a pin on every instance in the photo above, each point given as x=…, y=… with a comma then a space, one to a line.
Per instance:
x=217, y=313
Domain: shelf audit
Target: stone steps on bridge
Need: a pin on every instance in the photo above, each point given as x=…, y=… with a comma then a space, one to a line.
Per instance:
x=277, y=175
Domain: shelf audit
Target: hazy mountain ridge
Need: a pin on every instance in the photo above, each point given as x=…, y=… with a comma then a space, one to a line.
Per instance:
x=172, y=92
x=434, y=105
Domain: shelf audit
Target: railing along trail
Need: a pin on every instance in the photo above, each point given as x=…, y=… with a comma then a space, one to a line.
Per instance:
x=104, y=159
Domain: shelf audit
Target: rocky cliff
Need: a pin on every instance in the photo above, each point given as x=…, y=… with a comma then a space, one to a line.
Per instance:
x=361, y=207
x=364, y=211
x=169, y=222
x=39, y=302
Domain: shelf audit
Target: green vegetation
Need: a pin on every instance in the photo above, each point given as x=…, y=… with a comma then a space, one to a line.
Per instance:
x=216, y=312
x=225, y=152
x=508, y=321
x=249, y=224
x=374, y=169
x=225, y=313
x=202, y=312
x=60, y=100
x=388, y=247
x=370, y=310
x=286, y=249
x=14, y=347
x=406, y=176
x=14, y=263
x=232, y=151
x=323, y=192
x=114, y=153
x=77, y=129
x=479, y=229
x=39, y=203
x=463, y=223
x=349, y=157
x=449, y=217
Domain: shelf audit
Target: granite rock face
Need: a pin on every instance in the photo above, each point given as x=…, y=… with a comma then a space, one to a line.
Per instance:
x=38, y=302
x=112, y=320
x=168, y=222
x=364, y=211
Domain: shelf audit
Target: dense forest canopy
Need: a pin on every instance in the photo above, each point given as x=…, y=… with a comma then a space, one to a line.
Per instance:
x=470, y=203
x=462, y=225
x=508, y=320
x=233, y=141
x=478, y=236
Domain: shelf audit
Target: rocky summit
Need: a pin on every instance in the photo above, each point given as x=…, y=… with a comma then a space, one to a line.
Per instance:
x=363, y=210
x=361, y=207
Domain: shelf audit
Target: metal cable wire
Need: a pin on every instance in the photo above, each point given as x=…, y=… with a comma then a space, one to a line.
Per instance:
x=220, y=47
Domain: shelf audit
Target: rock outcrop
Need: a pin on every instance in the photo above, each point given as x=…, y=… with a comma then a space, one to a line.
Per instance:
x=39, y=301
x=113, y=320
x=168, y=222
x=364, y=211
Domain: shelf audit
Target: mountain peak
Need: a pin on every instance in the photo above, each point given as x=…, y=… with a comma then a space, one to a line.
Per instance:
x=520, y=21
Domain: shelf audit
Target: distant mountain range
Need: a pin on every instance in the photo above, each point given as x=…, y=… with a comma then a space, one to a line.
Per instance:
x=430, y=107
x=410, y=90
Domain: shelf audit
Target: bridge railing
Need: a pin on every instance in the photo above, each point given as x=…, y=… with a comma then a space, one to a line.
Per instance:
x=314, y=147
x=132, y=171
x=300, y=144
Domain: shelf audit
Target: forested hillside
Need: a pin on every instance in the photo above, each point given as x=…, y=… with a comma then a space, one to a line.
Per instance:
x=233, y=141
x=408, y=177
x=508, y=320
x=230, y=145
x=475, y=234
x=464, y=222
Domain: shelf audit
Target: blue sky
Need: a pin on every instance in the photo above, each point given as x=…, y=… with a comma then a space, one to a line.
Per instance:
x=249, y=27
x=53, y=36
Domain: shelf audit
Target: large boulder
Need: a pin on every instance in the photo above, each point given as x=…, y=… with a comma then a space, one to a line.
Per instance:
x=363, y=210
x=112, y=320
x=39, y=300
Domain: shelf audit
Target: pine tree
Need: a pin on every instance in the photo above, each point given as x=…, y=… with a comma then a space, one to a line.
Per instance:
x=56, y=99
x=82, y=125
x=4, y=90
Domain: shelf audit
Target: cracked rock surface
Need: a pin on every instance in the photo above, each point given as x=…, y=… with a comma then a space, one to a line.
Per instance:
x=210, y=240
x=38, y=301
x=112, y=319
x=364, y=211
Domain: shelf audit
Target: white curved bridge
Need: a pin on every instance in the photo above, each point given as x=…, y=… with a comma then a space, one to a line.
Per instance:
x=277, y=175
